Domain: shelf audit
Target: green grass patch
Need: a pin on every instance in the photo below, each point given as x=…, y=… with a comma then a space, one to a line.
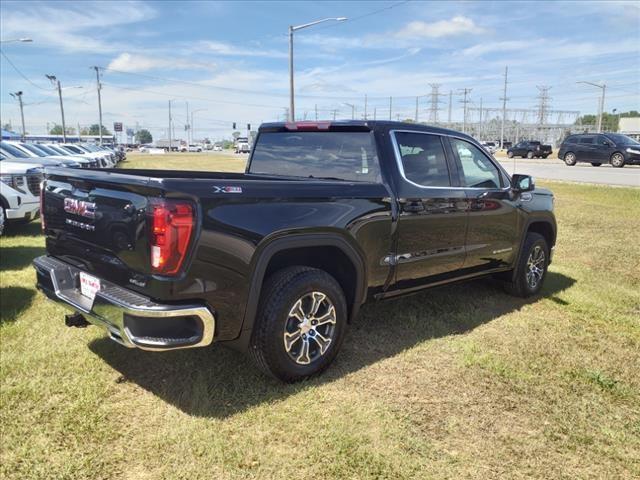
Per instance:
x=460, y=381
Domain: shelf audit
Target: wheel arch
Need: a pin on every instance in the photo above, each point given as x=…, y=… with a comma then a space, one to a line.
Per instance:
x=330, y=252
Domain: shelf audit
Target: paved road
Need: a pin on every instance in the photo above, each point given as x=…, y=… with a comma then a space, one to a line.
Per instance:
x=582, y=172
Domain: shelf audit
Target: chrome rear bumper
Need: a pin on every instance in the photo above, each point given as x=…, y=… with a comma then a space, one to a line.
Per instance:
x=130, y=318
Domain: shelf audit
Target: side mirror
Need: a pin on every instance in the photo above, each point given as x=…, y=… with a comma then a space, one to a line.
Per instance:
x=522, y=183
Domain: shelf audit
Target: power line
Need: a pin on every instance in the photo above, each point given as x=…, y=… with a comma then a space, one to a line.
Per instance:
x=22, y=74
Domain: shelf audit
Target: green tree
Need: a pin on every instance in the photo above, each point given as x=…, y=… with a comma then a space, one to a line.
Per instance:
x=609, y=120
x=57, y=130
x=95, y=130
x=144, y=136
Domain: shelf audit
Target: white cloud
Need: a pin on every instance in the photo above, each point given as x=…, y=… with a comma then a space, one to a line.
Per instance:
x=131, y=62
x=491, y=47
x=74, y=28
x=226, y=49
x=458, y=25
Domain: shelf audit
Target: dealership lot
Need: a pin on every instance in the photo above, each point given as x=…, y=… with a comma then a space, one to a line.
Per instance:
x=467, y=380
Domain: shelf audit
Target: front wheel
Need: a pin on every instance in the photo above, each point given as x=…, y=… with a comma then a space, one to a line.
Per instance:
x=531, y=269
x=510, y=154
x=570, y=159
x=2, y=220
x=301, y=324
x=595, y=164
x=529, y=154
x=617, y=160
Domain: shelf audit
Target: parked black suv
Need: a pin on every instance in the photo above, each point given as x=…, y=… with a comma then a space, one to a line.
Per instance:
x=277, y=261
x=598, y=148
x=529, y=149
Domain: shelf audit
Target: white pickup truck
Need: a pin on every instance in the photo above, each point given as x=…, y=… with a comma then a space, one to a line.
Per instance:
x=19, y=191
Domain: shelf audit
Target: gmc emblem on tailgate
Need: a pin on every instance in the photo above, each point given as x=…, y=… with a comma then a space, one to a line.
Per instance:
x=80, y=207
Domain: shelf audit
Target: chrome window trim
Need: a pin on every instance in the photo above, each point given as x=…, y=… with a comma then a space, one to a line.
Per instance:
x=396, y=149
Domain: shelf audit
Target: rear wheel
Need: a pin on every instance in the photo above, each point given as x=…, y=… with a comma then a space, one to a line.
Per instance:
x=570, y=159
x=529, y=154
x=596, y=164
x=510, y=154
x=301, y=324
x=531, y=269
x=617, y=160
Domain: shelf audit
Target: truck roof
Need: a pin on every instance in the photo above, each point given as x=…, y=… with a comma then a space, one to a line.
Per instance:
x=362, y=125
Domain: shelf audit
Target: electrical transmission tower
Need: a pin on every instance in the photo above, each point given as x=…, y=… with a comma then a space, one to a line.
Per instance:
x=434, y=102
x=465, y=92
x=543, y=106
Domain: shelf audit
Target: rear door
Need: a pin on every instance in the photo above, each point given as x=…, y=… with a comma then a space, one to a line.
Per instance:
x=492, y=219
x=433, y=218
x=585, y=151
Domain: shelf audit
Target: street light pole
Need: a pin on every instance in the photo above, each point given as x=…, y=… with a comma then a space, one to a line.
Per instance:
x=18, y=95
x=22, y=40
x=600, y=104
x=191, y=125
x=56, y=83
x=99, y=103
x=292, y=29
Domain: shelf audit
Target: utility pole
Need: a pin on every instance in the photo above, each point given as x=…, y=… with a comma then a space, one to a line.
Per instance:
x=374, y=112
x=450, y=102
x=56, y=83
x=390, y=107
x=335, y=112
x=18, y=95
x=504, y=107
x=353, y=110
x=170, y=139
x=417, y=109
x=187, y=127
x=465, y=101
x=481, y=129
x=365, y=106
x=316, y=108
x=99, y=102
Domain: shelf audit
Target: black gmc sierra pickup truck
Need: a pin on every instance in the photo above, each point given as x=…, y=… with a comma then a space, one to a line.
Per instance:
x=278, y=260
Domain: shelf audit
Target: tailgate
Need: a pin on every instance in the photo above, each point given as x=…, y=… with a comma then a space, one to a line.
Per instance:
x=98, y=221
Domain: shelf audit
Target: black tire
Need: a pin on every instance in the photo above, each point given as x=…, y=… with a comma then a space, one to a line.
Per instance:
x=279, y=296
x=596, y=164
x=510, y=154
x=545, y=156
x=519, y=285
x=617, y=160
x=570, y=159
x=529, y=154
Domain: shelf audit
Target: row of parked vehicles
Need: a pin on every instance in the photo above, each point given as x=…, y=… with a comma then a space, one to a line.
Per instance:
x=21, y=166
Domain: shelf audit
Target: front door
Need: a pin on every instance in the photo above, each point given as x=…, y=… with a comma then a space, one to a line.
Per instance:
x=491, y=240
x=433, y=218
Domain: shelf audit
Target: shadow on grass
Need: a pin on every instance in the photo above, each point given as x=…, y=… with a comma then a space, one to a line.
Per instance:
x=31, y=229
x=13, y=301
x=219, y=382
x=15, y=258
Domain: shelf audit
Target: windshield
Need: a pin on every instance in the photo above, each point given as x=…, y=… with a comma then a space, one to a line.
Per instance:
x=622, y=139
x=338, y=155
x=90, y=148
x=48, y=150
x=33, y=149
x=73, y=149
x=13, y=151
x=58, y=150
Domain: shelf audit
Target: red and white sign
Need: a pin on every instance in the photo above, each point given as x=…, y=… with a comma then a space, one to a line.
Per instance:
x=89, y=285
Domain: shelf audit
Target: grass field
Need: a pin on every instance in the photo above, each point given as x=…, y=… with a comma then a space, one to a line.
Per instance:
x=458, y=382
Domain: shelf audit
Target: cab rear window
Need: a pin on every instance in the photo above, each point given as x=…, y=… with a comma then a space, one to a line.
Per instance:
x=349, y=156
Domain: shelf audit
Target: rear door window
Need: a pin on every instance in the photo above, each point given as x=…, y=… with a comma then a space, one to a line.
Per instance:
x=350, y=156
x=423, y=160
x=586, y=140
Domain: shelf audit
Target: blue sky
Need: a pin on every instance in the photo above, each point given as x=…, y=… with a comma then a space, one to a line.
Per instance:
x=229, y=59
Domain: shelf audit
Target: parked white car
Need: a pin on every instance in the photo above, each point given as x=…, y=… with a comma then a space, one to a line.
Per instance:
x=34, y=151
x=94, y=162
x=19, y=191
x=12, y=151
x=490, y=147
x=194, y=148
x=78, y=150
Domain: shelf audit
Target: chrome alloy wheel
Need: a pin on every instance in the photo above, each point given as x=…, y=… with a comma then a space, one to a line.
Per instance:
x=535, y=267
x=310, y=328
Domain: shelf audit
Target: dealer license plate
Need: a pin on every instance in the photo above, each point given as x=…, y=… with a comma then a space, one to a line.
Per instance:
x=89, y=285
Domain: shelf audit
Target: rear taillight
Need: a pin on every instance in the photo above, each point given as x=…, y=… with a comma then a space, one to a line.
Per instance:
x=308, y=126
x=171, y=224
x=42, y=187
